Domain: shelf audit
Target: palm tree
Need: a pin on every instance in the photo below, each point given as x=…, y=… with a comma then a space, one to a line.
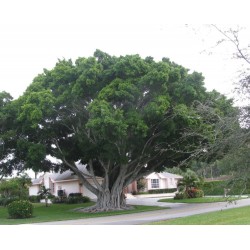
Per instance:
x=190, y=180
x=44, y=193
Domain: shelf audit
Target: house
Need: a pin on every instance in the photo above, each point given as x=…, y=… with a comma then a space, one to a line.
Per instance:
x=161, y=181
x=67, y=182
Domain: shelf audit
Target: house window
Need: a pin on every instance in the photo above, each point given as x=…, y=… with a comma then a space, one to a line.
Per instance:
x=154, y=183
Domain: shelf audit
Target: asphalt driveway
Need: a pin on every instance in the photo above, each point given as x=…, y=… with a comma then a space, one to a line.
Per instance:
x=176, y=210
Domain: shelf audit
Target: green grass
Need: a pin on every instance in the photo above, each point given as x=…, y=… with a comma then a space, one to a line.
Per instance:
x=199, y=200
x=234, y=216
x=57, y=212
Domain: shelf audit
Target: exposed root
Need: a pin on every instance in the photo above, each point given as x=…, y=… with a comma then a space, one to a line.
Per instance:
x=96, y=209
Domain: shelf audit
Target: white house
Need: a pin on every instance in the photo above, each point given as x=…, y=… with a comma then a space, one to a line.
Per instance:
x=67, y=182
x=162, y=181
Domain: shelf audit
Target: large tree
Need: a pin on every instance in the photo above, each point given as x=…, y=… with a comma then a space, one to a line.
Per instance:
x=124, y=117
x=8, y=136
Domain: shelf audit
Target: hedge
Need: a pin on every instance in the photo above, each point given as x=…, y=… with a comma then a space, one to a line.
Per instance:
x=161, y=191
x=217, y=188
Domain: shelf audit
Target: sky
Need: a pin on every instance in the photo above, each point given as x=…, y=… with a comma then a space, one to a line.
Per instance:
x=35, y=34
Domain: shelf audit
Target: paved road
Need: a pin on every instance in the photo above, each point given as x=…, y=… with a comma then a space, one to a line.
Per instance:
x=176, y=210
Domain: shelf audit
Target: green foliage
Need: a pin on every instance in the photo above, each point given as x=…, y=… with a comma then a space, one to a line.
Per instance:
x=214, y=187
x=17, y=186
x=162, y=190
x=180, y=196
x=75, y=195
x=73, y=198
x=189, y=185
x=190, y=193
x=218, y=187
x=59, y=200
x=34, y=198
x=190, y=180
x=44, y=193
x=141, y=185
x=194, y=193
x=77, y=199
x=5, y=201
x=116, y=113
x=20, y=209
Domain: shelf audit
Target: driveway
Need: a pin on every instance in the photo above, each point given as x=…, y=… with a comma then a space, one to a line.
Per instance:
x=176, y=210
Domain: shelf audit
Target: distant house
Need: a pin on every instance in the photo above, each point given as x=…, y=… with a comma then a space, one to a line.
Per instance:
x=67, y=182
x=161, y=181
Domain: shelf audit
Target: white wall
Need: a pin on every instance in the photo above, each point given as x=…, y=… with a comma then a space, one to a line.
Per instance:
x=163, y=183
x=33, y=190
x=74, y=187
x=68, y=187
x=46, y=180
x=86, y=192
x=153, y=176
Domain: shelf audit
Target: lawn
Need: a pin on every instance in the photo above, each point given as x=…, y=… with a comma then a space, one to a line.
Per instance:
x=56, y=212
x=234, y=216
x=199, y=200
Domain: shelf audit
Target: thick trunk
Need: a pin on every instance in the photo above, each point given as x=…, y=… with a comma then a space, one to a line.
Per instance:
x=109, y=201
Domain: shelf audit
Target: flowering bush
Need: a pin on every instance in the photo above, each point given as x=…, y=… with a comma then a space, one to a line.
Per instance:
x=195, y=193
x=191, y=193
x=20, y=209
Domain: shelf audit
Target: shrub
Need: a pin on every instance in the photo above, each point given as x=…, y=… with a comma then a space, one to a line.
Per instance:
x=20, y=209
x=2, y=201
x=194, y=193
x=161, y=191
x=51, y=196
x=180, y=196
x=217, y=187
x=34, y=198
x=58, y=200
x=214, y=187
x=72, y=200
x=85, y=199
x=199, y=193
x=75, y=195
x=6, y=201
x=75, y=199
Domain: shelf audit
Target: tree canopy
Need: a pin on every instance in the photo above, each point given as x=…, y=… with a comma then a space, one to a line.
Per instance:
x=124, y=117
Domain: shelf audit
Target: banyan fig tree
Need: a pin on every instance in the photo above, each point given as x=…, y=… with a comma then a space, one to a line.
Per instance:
x=124, y=117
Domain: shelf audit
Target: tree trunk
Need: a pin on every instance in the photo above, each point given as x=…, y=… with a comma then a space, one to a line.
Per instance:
x=109, y=201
